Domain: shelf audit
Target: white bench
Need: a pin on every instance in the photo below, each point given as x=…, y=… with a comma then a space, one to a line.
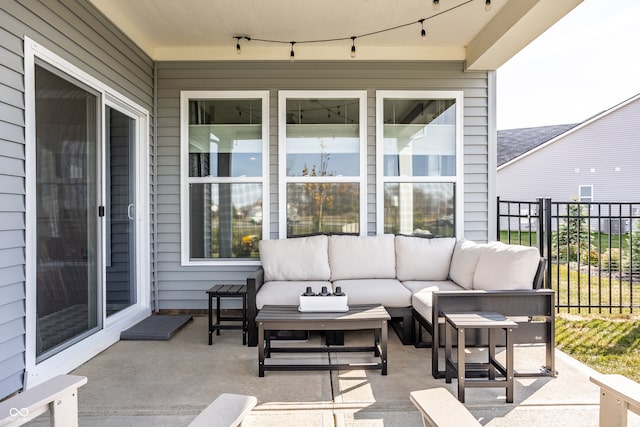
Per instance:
x=618, y=394
x=228, y=410
x=59, y=396
x=439, y=408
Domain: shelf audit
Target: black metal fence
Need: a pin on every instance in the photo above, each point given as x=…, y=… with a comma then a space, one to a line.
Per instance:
x=593, y=250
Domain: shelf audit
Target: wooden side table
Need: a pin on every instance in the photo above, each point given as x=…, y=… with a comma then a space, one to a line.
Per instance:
x=491, y=321
x=227, y=291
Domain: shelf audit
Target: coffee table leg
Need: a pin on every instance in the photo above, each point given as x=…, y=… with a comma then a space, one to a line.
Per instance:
x=509, y=365
x=492, y=354
x=260, y=349
x=448, y=362
x=462, y=371
x=210, y=321
x=376, y=341
x=383, y=347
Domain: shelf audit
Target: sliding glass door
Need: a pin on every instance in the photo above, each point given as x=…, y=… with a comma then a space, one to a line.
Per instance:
x=85, y=210
x=67, y=260
x=120, y=211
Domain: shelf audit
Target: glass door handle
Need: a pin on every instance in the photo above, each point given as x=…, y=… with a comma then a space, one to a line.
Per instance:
x=130, y=211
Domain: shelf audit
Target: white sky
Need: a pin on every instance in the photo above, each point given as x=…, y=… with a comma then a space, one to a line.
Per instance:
x=586, y=63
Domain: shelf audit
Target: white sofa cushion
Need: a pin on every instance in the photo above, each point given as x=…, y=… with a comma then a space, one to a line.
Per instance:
x=388, y=292
x=302, y=258
x=422, y=300
x=433, y=285
x=502, y=267
x=419, y=258
x=362, y=257
x=286, y=292
x=464, y=261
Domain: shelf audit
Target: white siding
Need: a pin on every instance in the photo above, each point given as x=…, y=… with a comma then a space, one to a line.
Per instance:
x=184, y=287
x=587, y=156
x=74, y=30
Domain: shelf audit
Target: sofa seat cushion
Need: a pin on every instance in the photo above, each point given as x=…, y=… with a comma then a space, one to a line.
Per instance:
x=435, y=285
x=419, y=258
x=388, y=292
x=506, y=267
x=286, y=292
x=362, y=257
x=422, y=300
x=302, y=258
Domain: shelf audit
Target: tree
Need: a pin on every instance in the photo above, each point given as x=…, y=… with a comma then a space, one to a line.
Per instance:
x=320, y=194
x=572, y=240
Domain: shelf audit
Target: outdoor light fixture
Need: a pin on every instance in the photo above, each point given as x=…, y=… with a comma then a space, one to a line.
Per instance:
x=487, y=5
x=423, y=31
x=238, y=38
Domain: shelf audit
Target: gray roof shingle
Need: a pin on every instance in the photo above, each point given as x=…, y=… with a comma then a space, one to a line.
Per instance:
x=515, y=142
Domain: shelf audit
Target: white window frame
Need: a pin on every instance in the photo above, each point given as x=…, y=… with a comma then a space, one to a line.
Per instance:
x=111, y=326
x=283, y=179
x=185, y=97
x=457, y=180
x=580, y=197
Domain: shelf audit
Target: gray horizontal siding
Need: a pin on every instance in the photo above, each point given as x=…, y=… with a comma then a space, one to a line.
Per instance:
x=183, y=287
x=76, y=31
x=587, y=156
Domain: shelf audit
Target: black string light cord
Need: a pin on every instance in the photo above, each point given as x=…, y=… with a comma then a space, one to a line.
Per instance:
x=353, y=38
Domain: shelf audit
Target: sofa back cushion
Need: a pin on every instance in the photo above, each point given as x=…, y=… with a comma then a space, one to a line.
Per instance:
x=302, y=258
x=419, y=258
x=362, y=257
x=506, y=267
x=464, y=261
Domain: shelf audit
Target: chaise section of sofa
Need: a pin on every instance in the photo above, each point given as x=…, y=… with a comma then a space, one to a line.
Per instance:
x=490, y=277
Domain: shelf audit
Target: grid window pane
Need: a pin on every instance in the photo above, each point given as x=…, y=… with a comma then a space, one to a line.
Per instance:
x=323, y=137
x=226, y=220
x=225, y=138
x=419, y=208
x=419, y=137
x=322, y=208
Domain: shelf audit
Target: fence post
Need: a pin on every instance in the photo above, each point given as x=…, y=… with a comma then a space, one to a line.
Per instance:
x=541, y=227
x=547, y=243
x=498, y=218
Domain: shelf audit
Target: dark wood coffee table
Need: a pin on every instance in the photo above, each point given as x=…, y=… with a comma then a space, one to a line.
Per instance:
x=273, y=317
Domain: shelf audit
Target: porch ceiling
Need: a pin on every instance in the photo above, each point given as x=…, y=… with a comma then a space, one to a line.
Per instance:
x=459, y=30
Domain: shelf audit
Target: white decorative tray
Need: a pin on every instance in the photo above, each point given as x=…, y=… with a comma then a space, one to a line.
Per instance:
x=317, y=303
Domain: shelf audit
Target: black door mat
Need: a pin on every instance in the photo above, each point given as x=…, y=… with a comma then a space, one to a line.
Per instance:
x=156, y=328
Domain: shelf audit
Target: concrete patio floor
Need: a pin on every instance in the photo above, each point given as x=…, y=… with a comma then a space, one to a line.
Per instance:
x=167, y=383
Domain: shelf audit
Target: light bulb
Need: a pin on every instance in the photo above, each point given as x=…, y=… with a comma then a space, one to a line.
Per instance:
x=487, y=5
x=436, y=4
x=238, y=50
x=353, y=47
x=292, y=55
x=423, y=32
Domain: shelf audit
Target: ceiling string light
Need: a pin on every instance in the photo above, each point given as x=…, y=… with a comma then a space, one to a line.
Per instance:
x=423, y=31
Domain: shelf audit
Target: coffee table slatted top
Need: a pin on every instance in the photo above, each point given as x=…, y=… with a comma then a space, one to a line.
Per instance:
x=356, y=313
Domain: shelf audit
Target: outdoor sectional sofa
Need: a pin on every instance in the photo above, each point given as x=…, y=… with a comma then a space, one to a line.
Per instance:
x=415, y=278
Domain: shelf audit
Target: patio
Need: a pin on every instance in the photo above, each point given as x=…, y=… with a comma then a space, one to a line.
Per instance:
x=167, y=383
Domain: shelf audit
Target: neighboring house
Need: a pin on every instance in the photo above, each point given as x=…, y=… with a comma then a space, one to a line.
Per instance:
x=138, y=150
x=594, y=161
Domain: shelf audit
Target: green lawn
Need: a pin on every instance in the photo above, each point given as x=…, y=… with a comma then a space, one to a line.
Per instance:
x=608, y=344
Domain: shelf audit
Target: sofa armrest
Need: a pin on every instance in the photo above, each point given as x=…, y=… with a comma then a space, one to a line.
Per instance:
x=538, y=279
x=255, y=280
